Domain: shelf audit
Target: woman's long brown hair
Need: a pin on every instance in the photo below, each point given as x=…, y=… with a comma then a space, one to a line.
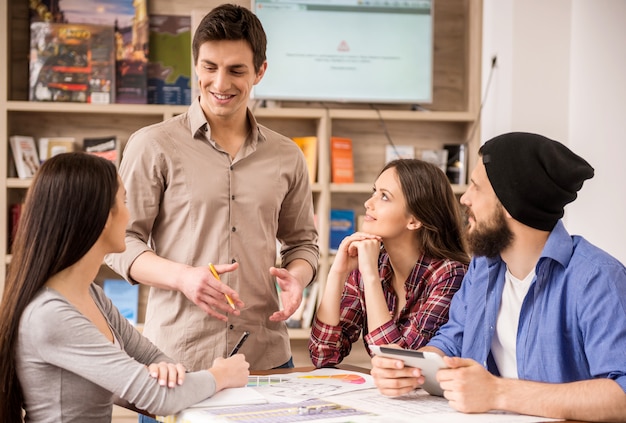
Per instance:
x=430, y=199
x=66, y=208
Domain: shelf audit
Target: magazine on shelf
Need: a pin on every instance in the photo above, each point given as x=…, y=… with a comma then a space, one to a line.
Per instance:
x=105, y=147
x=25, y=155
x=394, y=152
x=169, y=65
x=437, y=157
x=60, y=146
x=44, y=142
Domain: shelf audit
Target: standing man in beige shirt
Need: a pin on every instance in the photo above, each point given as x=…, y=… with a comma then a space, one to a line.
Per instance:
x=213, y=186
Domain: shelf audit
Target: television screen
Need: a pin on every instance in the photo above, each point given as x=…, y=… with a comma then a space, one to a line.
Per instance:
x=370, y=51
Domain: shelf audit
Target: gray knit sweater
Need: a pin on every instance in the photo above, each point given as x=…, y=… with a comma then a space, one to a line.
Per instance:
x=70, y=372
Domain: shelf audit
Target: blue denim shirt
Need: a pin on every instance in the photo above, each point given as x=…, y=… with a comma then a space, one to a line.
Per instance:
x=572, y=323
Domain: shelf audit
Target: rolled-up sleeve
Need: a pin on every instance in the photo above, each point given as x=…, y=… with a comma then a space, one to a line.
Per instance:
x=296, y=227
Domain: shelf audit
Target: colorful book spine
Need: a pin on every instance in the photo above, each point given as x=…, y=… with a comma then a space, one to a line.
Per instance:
x=308, y=145
x=342, y=162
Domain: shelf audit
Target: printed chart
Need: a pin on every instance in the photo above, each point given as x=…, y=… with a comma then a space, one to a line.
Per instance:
x=280, y=412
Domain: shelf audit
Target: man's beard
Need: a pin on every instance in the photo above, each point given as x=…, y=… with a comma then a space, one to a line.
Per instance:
x=489, y=238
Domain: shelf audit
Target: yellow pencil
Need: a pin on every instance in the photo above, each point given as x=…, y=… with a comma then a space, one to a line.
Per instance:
x=230, y=300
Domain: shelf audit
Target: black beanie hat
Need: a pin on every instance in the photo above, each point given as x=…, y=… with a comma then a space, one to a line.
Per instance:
x=533, y=176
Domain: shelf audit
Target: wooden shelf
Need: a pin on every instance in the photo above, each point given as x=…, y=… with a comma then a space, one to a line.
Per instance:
x=402, y=115
x=365, y=188
x=58, y=107
x=18, y=183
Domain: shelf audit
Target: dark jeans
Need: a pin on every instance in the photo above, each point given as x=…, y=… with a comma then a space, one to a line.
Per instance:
x=287, y=365
x=146, y=419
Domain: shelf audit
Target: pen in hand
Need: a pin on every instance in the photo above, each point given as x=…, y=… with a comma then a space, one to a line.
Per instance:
x=243, y=338
x=230, y=300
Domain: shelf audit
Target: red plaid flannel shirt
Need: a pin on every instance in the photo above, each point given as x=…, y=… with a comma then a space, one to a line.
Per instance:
x=429, y=290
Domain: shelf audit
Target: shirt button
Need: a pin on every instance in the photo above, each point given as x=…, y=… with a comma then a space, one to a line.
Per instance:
x=231, y=327
x=231, y=168
x=233, y=229
x=232, y=197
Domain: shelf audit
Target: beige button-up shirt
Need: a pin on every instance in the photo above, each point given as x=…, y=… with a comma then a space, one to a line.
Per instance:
x=191, y=204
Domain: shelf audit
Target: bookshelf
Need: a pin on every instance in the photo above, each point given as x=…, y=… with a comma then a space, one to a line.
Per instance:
x=451, y=118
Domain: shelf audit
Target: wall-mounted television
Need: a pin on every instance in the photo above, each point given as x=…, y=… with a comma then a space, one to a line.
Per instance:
x=363, y=51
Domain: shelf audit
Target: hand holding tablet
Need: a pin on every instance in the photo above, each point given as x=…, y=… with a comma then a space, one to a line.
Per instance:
x=427, y=362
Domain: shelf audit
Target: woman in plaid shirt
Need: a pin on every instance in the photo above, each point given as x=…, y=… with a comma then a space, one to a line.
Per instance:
x=393, y=281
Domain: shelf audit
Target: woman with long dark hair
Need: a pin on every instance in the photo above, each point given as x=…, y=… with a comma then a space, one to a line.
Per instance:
x=392, y=283
x=66, y=352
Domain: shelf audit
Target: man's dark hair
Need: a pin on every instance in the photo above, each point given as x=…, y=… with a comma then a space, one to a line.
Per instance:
x=233, y=23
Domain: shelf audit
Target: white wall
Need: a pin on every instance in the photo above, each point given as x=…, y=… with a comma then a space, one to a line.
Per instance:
x=562, y=73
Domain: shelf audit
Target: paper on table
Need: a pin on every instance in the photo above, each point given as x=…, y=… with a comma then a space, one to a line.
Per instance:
x=300, y=386
x=232, y=396
x=273, y=412
x=430, y=409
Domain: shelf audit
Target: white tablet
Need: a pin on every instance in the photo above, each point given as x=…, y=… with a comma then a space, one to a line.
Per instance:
x=427, y=362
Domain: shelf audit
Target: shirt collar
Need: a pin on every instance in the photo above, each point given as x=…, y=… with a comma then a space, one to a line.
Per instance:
x=197, y=120
x=200, y=127
x=558, y=247
x=256, y=136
